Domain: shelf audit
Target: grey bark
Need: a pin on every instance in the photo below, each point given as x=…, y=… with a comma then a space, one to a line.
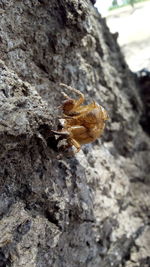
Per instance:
x=91, y=209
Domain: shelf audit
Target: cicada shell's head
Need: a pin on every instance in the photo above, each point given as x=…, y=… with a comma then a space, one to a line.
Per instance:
x=67, y=106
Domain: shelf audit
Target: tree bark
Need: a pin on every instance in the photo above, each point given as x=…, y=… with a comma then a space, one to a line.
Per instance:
x=91, y=209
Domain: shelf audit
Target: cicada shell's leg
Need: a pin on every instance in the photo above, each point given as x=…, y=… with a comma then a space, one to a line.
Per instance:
x=77, y=102
x=76, y=144
x=65, y=95
x=63, y=133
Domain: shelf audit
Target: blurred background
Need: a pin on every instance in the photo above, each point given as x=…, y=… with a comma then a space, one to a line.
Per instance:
x=130, y=21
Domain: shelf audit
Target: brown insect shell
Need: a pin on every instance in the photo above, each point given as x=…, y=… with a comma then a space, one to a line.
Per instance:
x=95, y=121
x=92, y=117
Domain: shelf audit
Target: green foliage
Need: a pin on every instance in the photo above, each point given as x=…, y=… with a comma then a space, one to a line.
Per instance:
x=126, y=2
x=114, y=3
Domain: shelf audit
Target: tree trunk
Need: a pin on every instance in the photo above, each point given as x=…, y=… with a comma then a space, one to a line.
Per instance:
x=91, y=209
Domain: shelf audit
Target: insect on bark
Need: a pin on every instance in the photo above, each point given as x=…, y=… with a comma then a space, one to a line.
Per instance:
x=83, y=124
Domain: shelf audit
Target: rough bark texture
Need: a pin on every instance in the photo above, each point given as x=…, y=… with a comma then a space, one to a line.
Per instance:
x=91, y=209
